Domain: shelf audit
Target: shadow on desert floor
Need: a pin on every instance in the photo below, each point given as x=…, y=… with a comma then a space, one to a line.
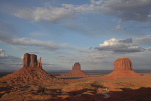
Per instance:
x=142, y=94
x=71, y=77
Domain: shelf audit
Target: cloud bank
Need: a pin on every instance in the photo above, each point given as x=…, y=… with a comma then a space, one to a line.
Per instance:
x=24, y=41
x=8, y=62
x=137, y=10
x=2, y=53
x=116, y=45
x=145, y=40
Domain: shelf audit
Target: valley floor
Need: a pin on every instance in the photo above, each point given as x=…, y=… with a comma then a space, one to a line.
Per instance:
x=93, y=88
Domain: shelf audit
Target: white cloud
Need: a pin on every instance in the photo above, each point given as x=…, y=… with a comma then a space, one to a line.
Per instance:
x=97, y=2
x=116, y=45
x=123, y=9
x=34, y=42
x=119, y=27
x=52, y=14
x=8, y=36
x=127, y=9
x=2, y=50
x=3, y=55
x=8, y=61
x=116, y=42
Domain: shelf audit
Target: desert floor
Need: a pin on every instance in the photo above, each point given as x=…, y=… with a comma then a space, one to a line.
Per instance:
x=93, y=88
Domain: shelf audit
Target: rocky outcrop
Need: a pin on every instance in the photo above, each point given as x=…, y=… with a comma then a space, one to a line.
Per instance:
x=76, y=66
x=30, y=61
x=76, y=71
x=123, y=69
x=31, y=72
x=123, y=64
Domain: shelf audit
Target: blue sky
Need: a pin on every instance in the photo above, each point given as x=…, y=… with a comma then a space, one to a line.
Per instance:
x=92, y=32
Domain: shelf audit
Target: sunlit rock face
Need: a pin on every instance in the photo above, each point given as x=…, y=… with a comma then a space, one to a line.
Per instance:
x=76, y=66
x=30, y=61
x=123, y=69
x=123, y=64
x=76, y=71
x=30, y=72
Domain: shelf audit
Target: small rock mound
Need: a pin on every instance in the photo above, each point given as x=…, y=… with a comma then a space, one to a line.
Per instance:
x=31, y=72
x=76, y=71
x=123, y=69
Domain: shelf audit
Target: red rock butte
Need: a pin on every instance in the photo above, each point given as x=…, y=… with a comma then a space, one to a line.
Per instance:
x=123, y=69
x=30, y=72
x=76, y=71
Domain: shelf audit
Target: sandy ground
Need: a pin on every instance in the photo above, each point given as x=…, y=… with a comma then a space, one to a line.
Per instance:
x=93, y=88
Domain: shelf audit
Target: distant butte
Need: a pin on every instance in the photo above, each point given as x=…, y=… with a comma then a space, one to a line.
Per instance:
x=76, y=71
x=31, y=72
x=123, y=69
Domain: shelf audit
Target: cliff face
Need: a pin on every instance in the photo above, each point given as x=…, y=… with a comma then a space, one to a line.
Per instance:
x=123, y=64
x=76, y=71
x=31, y=72
x=123, y=69
x=76, y=66
x=30, y=61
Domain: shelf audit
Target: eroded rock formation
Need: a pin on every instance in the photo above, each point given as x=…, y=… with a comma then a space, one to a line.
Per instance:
x=76, y=66
x=31, y=72
x=76, y=71
x=123, y=64
x=30, y=61
x=123, y=69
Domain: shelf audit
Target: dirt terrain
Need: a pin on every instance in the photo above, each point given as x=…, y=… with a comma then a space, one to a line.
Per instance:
x=32, y=83
x=80, y=89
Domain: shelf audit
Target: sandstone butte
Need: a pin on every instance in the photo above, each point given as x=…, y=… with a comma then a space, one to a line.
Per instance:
x=122, y=69
x=76, y=71
x=30, y=72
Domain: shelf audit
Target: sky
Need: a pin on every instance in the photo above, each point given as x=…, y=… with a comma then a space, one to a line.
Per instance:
x=92, y=32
